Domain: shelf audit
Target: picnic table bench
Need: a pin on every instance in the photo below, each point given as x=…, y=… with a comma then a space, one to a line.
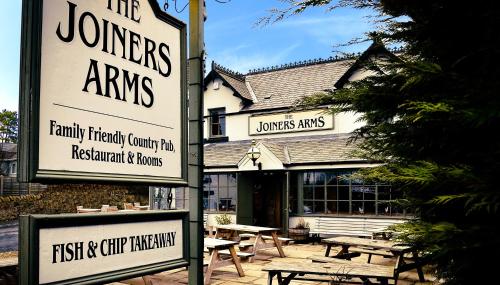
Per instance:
x=333, y=270
x=356, y=227
x=381, y=247
x=216, y=248
x=233, y=230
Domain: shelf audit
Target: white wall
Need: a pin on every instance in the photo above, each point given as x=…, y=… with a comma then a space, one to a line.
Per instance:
x=220, y=98
x=237, y=124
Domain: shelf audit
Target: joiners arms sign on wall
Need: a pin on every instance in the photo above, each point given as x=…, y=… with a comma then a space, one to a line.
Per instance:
x=103, y=93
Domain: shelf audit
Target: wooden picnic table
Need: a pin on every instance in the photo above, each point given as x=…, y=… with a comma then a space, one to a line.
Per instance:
x=215, y=246
x=371, y=244
x=259, y=242
x=334, y=270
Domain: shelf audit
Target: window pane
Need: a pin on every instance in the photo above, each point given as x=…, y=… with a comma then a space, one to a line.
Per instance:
x=369, y=193
x=369, y=207
x=384, y=192
x=358, y=208
x=214, y=181
x=308, y=192
x=331, y=207
x=344, y=207
x=343, y=192
x=331, y=193
x=223, y=180
x=308, y=208
x=319, y=193
x=357, y=192
x=343, y=177
x=217, y=122
x=331, y=179
x=232, y=192
x=308, y=178
x=319, y=207
x=319, y=178
x=222, y=126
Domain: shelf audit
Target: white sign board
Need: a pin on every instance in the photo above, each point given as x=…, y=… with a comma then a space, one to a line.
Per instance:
x=101, y=248
x=74, y=252
x=111, y=92
x=290, y=122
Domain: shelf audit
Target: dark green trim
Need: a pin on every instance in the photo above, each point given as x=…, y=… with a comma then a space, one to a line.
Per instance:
x=29, y=107
x=31, y=225
x=220, y=139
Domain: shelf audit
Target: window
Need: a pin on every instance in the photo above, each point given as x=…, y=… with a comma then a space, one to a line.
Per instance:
x=333, y=192
x=219, y=192
x=13, y=168
x=164, y=198
x=217, y=122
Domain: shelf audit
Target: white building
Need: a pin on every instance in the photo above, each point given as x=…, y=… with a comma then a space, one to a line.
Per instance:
x=304, y=154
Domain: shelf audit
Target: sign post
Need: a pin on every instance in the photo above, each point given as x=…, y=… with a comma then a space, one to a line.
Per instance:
x=195, y=172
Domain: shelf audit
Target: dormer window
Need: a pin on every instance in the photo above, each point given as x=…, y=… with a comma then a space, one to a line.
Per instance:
x=217, y=122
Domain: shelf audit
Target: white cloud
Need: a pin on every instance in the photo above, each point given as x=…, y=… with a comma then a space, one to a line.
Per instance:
x=243, y=62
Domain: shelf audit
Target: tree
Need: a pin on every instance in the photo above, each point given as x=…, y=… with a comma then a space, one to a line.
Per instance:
x=8, y=126
x=8, y=134
x=432, y=115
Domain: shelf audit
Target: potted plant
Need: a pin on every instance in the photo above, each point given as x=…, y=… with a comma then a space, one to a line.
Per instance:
x=300, y=232
x=224, y=219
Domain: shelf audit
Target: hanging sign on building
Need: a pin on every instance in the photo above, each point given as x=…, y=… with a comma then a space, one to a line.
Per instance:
x=81, y=248
x=290, y=122
x=103, y=94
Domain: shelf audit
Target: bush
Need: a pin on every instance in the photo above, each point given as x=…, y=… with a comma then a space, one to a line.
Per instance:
x=302, y=224
x=64, y=198
x=223, y=219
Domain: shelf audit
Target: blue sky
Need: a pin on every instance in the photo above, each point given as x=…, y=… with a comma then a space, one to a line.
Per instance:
x=231, y=37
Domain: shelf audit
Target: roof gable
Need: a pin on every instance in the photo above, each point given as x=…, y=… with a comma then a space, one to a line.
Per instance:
x=375, y=49
x=233, y=81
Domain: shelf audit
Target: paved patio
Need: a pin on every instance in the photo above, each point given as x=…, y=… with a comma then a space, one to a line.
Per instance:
x=255, y=276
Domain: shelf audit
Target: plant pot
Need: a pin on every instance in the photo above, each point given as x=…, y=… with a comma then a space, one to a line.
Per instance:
x=298, y=234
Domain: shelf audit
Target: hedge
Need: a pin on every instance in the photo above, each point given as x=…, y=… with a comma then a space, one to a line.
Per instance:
x=64, y=198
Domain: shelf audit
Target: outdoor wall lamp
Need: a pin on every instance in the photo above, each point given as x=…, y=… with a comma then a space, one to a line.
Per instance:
x=253, y=153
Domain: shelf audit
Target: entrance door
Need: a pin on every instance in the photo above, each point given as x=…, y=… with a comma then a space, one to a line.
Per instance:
x=267, y=195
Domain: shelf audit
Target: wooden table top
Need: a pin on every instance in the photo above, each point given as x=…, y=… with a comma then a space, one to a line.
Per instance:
x=88, y=210
x=372, y=243
x=246, y=228
x=217, y=243
x=145, y=207
x=334, y=267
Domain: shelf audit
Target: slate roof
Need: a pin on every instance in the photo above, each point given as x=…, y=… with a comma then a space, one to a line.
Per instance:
x=238, y=84
x=282, y=88
x=291, y=150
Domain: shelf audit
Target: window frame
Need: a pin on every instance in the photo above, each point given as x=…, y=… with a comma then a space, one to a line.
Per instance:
x=221, y=114
x=216, y=197
x=339, y=186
